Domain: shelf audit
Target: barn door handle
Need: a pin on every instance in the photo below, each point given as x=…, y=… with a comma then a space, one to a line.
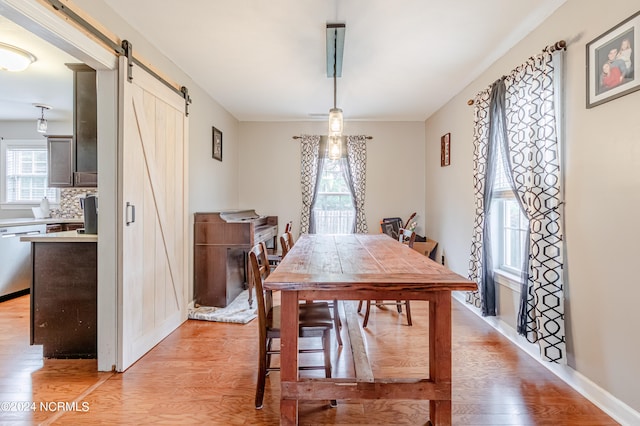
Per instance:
x=133, y=213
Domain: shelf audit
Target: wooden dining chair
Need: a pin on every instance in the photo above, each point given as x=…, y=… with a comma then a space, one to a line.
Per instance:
x=276, y=258
x=286, y=242
x=408, y=237
x=314, y=321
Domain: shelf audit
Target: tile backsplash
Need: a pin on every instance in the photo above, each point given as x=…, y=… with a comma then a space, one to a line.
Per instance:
x=70, y=202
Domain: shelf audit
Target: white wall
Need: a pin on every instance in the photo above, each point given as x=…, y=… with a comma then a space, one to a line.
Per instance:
x=602, y=163
x=269, y=171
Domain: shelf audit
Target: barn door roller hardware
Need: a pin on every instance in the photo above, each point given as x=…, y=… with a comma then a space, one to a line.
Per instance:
x=127, y=48
x=123, y=49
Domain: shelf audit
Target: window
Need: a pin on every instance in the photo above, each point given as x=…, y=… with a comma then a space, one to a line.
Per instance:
x=509, y=226
x=333, y=211
x=24, y=173
x=511, y=230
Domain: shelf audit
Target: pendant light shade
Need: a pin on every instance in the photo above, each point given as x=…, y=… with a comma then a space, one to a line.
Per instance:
x=336, y=122
x=41, y=124
x=14, y=59
x=335, y=147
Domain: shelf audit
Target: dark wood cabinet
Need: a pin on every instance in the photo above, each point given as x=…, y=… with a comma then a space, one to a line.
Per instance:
x=221, y=243
x=73, y=160
x=64, y=298
x=72, y=226
x=60, y=227
x=85, y=117
x=61, y=159
x=54, y=227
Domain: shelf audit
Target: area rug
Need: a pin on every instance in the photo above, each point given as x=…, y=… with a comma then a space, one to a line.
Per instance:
x=237, y=311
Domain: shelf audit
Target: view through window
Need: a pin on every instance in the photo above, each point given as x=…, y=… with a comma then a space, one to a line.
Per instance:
x=334, y=211
x=509, y=225
x=25, y=173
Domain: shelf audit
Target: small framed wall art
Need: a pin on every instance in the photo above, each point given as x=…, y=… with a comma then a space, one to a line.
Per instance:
x=217, y=144
x=445, y=150
x=611, y=62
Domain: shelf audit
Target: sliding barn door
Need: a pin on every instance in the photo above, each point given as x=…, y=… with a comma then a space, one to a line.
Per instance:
x=153, y=200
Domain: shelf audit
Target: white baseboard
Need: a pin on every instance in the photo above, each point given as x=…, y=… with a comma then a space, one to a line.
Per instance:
x=615, y=408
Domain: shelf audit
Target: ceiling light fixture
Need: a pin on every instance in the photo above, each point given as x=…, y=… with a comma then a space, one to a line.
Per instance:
x=41, y=125
x=14, y=59
x=335, y=49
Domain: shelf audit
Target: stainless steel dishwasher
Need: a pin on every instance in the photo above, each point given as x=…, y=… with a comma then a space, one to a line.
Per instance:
x=15, y=257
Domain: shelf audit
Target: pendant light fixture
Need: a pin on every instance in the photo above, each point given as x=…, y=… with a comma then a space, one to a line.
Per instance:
x=41, y=125
x=14, y=59
x=335, y=147
x=335, y=48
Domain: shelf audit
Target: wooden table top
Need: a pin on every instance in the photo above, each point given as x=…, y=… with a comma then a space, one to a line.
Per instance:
x=360, y=261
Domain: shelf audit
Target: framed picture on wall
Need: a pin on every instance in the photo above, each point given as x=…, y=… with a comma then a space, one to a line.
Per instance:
x=611, y=62
x=445, y=150
x=217, y=144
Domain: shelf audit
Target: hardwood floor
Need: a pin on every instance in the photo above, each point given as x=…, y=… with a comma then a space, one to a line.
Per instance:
x=204, y=373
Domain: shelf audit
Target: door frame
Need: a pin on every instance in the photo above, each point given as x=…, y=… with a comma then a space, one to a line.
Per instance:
x=49, y=25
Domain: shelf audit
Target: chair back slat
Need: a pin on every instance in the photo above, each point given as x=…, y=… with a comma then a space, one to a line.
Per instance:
x=260, y=270
x=286, y=242
x=289, y=226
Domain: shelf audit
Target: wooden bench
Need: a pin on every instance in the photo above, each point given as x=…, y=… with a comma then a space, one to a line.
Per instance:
x=360, y=359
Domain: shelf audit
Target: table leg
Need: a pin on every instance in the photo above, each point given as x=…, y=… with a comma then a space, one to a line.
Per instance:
x=440, y=354
x=288, y=354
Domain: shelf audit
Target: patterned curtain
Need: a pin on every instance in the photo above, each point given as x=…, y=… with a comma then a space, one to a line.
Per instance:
x=322, y=158
x=532, y=103
x=480, y=151
x=357, y=165
x=310, y=148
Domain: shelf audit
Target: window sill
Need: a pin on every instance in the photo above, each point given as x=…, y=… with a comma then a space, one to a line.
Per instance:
x=508, y=280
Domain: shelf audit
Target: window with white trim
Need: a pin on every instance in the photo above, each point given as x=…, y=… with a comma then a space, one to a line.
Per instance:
x=509, y=226
x=334, y=211
x=23, y=181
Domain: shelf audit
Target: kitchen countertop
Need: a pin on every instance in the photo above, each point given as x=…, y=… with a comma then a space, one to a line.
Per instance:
x=32, y=221
x=61, y=237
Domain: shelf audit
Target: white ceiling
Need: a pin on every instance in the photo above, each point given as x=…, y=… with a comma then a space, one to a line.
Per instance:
x=47, y=81
x=266, y=61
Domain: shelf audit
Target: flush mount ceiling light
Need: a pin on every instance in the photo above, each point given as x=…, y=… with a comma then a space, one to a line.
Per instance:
x=41, y=125
x=335, y=49
x=14, y=59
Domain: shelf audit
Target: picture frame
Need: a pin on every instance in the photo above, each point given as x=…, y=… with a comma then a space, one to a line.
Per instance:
x=217, y=144
x=445, y=150
x=611, y=62
x=391, y=226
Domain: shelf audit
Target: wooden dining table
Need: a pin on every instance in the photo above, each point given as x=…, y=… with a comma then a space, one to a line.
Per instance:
x=364, y=267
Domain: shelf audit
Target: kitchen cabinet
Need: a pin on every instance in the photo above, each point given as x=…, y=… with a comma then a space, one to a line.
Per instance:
x=64, y=294
x=73, y=160
x=61, y=160
x=85, y=118
x=61, y=227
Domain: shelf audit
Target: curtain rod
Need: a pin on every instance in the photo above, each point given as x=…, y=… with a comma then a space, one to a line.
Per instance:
x=558, y=45
x=300, y=137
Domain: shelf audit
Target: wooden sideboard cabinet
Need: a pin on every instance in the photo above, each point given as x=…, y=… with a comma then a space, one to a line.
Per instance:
x=221, y=243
